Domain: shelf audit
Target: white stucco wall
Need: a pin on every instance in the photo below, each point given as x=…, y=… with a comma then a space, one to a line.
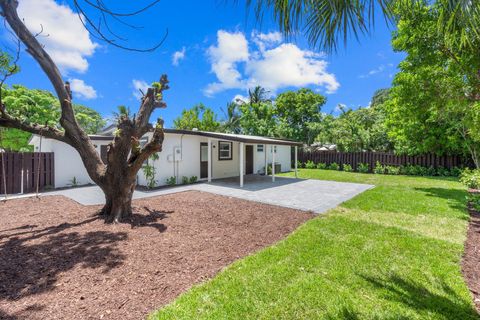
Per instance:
x=68, y=163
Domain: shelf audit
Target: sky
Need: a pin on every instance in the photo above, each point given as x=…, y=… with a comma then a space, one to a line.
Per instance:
x=213, y=53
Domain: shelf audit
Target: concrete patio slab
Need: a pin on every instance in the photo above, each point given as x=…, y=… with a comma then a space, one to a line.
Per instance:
x=308, y=195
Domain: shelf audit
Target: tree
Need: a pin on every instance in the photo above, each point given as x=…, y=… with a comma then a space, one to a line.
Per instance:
x=258, y=95
x=434, y=103
x=200, y=117
x=297, y=112
x=325, y=23
x=40, y=106
x=117, y=177
x=231, y=123
x=258, y=119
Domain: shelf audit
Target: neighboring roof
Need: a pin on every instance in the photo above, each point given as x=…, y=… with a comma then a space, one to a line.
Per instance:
x=108, y=130
x=218, y=135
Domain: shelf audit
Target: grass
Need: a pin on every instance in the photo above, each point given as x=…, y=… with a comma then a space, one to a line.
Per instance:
x=393, y=252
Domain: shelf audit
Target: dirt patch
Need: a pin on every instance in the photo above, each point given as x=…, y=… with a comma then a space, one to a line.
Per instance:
x=59, y=261
x=471, y=257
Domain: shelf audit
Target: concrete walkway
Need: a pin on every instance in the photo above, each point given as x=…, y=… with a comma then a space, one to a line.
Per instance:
x=309, y=195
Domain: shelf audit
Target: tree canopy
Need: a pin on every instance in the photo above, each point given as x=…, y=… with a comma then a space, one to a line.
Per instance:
x=198, y=117
x=40, y=106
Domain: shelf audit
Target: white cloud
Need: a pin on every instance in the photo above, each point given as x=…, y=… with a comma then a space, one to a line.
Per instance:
x=273, y=65
x=239, y=99
x=81, y=90
x=378, y=70
x=137, y=86
x=231, y=49
x=177, y=56
x=64, y=37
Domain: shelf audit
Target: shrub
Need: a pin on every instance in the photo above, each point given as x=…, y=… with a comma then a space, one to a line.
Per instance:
x=443, y=172
x=455, y=172
x=321, y=165
x=474, y=200
x=471, y=178
x=347, y=168
x=171, y=181
x=363, y=168
x=193, y=179
x=392, y=170
x=185, y=180
x=431, y=171
x=334, y=166
x=310, y=165
x=379, y=168
x=299, y=164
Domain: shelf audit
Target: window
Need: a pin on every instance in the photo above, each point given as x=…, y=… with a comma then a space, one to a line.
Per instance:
x=259, y=147
x=224, y=150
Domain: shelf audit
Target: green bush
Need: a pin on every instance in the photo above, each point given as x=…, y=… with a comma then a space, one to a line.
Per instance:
x=363, y=168
x=193, y=179
x=347, y=168
x=431, y=171
x=471, y=178
x=392, y=170
x=334, y=166
x=378, y=169
x=310, y=165
x=455, y=172
x=443, y=172
x=474, y=199
x=321, y=165
x=299, y=164
x=171, y=181
x=185, y=180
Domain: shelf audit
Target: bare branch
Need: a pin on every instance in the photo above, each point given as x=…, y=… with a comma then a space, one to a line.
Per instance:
x=152, y=100
x=138, y=157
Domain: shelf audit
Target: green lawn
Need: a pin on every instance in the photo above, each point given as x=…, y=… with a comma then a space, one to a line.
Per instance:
x=392, y=252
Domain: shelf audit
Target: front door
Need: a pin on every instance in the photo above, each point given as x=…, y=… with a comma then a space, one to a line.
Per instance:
x=203, y=160
x=248, y=159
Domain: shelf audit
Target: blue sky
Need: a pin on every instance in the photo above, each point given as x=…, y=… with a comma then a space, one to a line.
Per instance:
x=220, y=51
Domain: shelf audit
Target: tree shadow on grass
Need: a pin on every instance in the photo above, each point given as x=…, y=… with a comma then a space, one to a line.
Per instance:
x=456, y=198
x=414, y=295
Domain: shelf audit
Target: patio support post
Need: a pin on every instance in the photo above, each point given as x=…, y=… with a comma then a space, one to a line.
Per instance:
x=241, y=161
x=209, y=153
x=265, y=151
x=296, y=161
x=273, y=163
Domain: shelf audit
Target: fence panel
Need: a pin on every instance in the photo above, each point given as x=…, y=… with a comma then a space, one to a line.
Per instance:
x=371, y=158
x=23, y=170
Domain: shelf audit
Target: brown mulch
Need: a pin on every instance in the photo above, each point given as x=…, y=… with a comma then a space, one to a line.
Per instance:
x=58, y=260
x=471, y=257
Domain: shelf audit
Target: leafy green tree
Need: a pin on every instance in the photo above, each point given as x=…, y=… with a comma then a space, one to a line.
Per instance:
x=435, y=99
x=297, y=113
x=258, y=95
x=258, y=119
x=200, y=117
x=40, y=106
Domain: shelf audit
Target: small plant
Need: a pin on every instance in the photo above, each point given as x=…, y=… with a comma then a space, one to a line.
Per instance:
x=193, y=179
x=455, y=172
x=392, y=170
x=363, y=168
x=443, y=172
x=310, y=165
x=185, y=180
x=73, y=182
x=334, y=166
x=347, y=168
x=171, y=181
x=299, y=164
x=149, y=171
x=321, y=165
x=471, y=178
x=431, y=171
x=474, y=200
x=379, y=168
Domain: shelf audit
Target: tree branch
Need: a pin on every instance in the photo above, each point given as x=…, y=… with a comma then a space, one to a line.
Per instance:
x=138, y=157
x=152, y=100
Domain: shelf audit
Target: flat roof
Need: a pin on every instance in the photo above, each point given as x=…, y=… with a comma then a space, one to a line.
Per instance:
x=219, y=135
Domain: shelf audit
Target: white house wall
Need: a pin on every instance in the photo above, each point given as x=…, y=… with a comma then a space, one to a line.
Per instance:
x=68, y=163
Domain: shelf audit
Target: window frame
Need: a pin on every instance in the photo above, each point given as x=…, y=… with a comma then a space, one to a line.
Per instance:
x=230, y=143
x=262, y=147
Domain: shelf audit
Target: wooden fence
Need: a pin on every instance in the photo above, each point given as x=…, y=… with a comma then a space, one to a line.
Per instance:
x=371, y=158
x=23, y=169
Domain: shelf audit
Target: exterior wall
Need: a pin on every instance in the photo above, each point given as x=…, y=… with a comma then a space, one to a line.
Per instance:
x=68, y=163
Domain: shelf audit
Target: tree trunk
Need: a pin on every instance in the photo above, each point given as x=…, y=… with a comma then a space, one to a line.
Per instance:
x=118, y=203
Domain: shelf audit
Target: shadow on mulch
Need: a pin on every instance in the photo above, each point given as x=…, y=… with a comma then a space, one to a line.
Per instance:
x=471, y=257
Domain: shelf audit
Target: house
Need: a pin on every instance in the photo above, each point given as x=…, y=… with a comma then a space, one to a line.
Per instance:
x=206, y=155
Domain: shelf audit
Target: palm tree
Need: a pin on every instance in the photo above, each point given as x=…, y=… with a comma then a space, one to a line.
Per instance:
x=231, y=124
x=258, y=95
x=326, y=22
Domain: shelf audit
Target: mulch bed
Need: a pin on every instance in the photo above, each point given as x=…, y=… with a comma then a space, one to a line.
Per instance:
x=471, y=257
x=58, y=260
